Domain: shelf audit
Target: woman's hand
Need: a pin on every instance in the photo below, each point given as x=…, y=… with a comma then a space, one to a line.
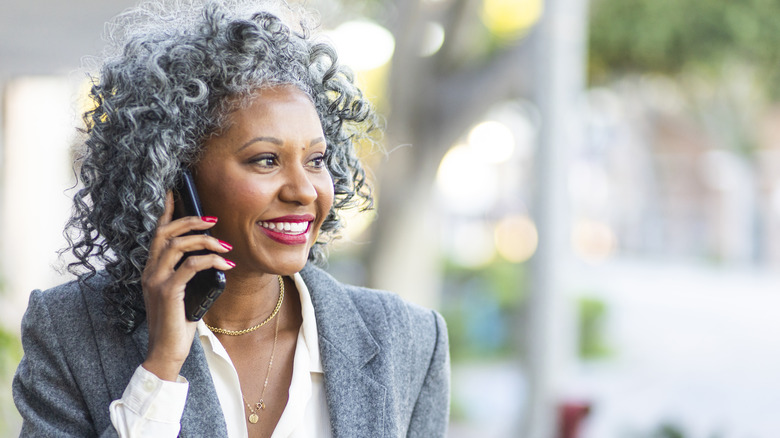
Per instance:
x=170, y=333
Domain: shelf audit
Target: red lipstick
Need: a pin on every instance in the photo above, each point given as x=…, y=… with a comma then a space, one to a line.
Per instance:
x=288, y=230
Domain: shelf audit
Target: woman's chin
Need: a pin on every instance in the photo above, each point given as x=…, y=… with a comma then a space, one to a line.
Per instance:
x=281, y=265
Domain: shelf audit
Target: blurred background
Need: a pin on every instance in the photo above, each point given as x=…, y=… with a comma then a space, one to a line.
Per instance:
x=589, y=191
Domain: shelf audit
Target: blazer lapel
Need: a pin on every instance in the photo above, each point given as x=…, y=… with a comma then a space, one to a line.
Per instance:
x=202, y=412
x=356, y=401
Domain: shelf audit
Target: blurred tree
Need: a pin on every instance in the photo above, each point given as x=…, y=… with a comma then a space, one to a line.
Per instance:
x=678, y=36
x=433, y=100
x=722, y=58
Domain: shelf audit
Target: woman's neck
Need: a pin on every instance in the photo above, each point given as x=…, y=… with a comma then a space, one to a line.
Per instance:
x=247, y=300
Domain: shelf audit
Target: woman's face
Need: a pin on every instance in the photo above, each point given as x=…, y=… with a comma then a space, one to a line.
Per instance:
x=265, y=179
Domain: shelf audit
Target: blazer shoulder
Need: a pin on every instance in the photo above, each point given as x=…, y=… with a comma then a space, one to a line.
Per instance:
x=420, y=324
x=70, y=307
x=386, y=315
x=70, y=290
x=75, y=362
x=389, y=302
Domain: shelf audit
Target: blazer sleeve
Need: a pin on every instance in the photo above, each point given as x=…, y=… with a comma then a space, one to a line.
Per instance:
x=431, y=411
x=44, y=389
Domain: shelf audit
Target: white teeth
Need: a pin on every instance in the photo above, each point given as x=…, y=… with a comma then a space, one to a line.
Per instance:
x=286, y=227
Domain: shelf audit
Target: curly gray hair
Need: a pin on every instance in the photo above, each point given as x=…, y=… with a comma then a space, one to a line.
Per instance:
x=176, y=71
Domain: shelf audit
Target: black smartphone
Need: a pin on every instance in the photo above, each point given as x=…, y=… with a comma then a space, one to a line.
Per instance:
x=207, y=285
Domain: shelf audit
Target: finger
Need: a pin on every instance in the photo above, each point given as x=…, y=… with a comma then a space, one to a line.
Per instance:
x=171, y=283
x=177, y=247
x=184, y=225
x=196, y=242
x=165, y=233
x=195, y=264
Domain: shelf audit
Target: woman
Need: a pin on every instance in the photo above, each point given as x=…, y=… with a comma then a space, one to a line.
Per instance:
x=265, y=119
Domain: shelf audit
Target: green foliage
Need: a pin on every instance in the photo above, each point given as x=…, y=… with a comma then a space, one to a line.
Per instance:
x=672, y=36
x=672, y=429
x=668, y=431
x=592, y=313
x=10, y=355
x=10, y=352
x=484, y=308
x=10, y=346
x=481, y=307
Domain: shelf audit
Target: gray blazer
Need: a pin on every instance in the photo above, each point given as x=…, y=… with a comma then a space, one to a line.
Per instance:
x=386, y=365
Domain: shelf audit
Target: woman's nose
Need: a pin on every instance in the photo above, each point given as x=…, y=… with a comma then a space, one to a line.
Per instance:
x=298, y=186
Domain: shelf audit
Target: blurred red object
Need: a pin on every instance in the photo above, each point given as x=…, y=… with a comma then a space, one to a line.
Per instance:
x=570, y=417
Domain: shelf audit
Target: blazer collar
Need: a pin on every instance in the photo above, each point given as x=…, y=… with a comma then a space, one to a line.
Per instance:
x=356, y=401
x=202, y=411
x=338, y=320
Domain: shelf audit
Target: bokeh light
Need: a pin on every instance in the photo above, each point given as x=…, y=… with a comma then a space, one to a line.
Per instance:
x=470, y=244
x=363, y=45
x=433, y=38
x=492, y=141
x=516, y=238
x=467, y=182
x=593, y=241
x=510, y=18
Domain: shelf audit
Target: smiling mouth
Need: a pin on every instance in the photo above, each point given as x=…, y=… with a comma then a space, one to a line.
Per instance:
x=291, y=228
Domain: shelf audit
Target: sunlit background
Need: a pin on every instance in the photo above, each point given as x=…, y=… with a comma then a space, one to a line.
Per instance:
x=589, y=192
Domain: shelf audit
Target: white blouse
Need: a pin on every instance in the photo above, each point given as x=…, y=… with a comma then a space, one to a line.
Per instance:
x=153, y=407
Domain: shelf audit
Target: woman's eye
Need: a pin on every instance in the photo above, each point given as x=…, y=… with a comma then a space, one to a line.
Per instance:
x=318, y=161
x=264, y=160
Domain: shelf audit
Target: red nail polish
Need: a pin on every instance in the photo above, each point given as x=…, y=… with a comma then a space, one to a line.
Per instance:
x=230, y=262
x=209, y=219
x=225, y=244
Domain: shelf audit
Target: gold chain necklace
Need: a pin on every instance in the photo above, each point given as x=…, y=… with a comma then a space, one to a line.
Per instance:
x=253, y=328
x=253, y=410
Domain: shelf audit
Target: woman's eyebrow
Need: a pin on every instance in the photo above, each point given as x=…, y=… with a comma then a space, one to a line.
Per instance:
x=277, y=141
x=273, y=140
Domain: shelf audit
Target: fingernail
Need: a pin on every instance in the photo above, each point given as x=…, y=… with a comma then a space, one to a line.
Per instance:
x=225, y=244
x=209, y=219
x=230, y=263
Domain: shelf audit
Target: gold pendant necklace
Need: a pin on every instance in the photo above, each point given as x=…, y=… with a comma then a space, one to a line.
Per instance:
x=257, y=407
